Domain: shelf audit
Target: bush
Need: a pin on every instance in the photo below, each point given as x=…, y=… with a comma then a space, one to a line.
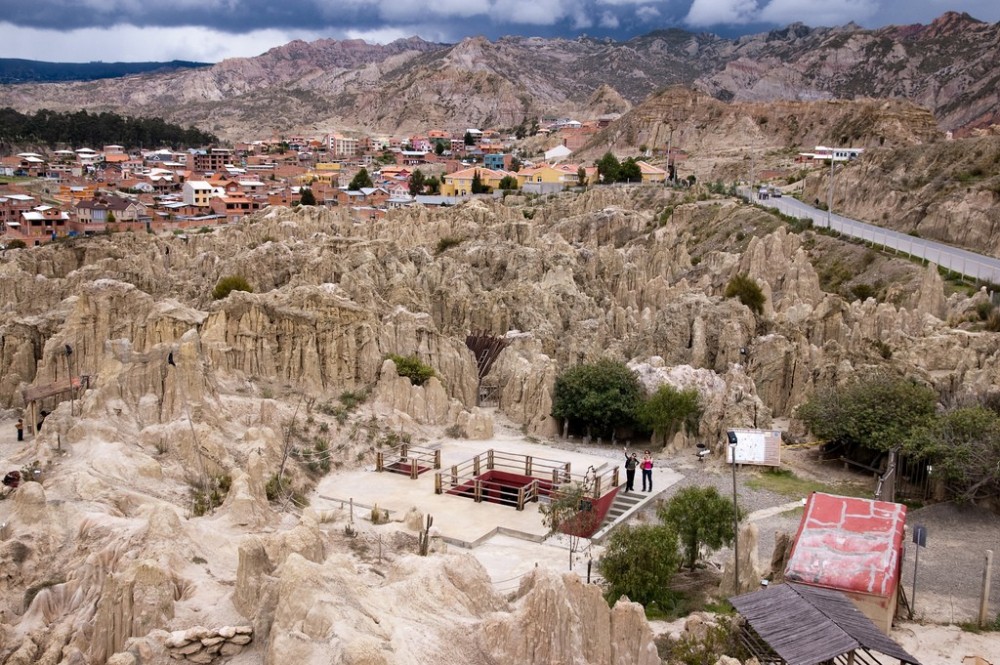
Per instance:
x=412, y=368
x=702, y=518
x=870, y=414
x=601, y=396
x=719, y=640
x=983, y=309
x=863, y=291
x=229, y=284
x=639, y=562
x=748, y=292
x=668, y=409
x=17, y=243
x=446, y=243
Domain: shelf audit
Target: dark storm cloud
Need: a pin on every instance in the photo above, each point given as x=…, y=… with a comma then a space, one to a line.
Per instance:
x=239, y=26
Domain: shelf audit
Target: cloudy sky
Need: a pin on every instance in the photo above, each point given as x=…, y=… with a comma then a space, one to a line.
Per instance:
x=212, y=30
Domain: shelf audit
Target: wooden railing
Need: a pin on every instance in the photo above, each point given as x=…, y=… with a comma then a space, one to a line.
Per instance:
x=546, y=475
x=417, y=458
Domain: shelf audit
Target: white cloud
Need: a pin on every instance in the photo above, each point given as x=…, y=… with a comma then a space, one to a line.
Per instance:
x=128, y=43
x=717, y=12
x=818, y=12
x=609, y=21
x=647, y=14
x=530, y=12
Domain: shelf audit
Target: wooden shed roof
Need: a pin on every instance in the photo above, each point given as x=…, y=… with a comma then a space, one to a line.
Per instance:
x=807, y=625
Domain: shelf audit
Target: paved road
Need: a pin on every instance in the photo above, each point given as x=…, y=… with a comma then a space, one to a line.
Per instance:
x=970, y=264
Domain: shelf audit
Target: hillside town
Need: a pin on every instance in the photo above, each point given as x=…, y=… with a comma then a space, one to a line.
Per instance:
x=84, y=191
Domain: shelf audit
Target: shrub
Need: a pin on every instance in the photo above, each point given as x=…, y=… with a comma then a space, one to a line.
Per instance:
x=17, y=243
x=747, y=291
x=668, y=409
x=983, y=309
x=412, y=368
x=701, y=517
x=863, y=291
x=601, y=396
x=446, y=243
x=229, y=284
x=639, y=562
x=872, y=413
x=993, y=322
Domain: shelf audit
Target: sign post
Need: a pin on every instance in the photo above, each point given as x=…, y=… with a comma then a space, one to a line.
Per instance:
x=920, y=538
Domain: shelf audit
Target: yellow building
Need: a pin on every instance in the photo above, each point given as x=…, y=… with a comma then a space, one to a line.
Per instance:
x=459, y=183
x=566, y=175
x=652, y=174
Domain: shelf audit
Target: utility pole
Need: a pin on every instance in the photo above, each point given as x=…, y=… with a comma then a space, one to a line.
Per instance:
x=829, y=196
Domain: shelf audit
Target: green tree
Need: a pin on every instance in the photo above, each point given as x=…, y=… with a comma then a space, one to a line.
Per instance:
x=417, y=182
x=433, y=185
x=608, y=168
x=747, y=291
x=231, y=283
x=581, y=177
x=702, y=519
x=306, y=197
x=601, y=396
x=964, y=447
x=508, y=183
x=872, y=413
x=469, y=139
x=477, y=184
x=412, y=368
x=360, y=180
x=639, y=562
x=439, y=148
x=570, y=511
x=629, y=171
x=669, y=409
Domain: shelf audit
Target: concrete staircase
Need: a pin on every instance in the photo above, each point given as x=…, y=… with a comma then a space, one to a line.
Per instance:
x=624, y=505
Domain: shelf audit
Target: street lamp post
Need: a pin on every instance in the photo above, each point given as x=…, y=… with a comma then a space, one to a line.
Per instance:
x=736, y=512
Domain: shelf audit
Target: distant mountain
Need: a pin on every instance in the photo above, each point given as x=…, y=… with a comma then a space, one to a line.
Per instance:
x=408, y=85
x=14, y=70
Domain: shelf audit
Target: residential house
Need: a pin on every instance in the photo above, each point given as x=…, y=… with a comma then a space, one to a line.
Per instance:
x=547, y=178
x=12, y=206
x=94, y=215
x=459, y=183
x=198, y=193
x=43, y=223
x=340, y=146
x=652, y=174
x=212, y=160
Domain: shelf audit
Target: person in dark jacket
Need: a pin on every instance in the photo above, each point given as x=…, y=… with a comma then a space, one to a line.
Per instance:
x=630, y=465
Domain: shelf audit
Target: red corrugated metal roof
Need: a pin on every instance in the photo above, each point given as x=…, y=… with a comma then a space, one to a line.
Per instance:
x=849, y=544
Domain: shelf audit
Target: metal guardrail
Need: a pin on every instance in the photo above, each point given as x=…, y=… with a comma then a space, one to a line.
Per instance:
x=975, y=266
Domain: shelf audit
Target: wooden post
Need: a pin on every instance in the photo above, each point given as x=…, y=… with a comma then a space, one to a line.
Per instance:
x=403, y=450
x=520, y=498
x=478, y=491
x=616, y=479
x=597, y=487
x=378, y=461
x=490, y=462
x=437, y=458
x=527, y=465
x=569, y=473
x=437, y=483
x=475, y=464
x=984, y=601
x=555, y=478
x=414, y=468
x=454, y=475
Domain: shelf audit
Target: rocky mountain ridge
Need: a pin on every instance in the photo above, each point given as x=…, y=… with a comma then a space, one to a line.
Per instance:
x=410, y=85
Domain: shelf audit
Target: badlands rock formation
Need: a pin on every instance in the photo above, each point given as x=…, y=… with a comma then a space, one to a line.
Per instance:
x=152, y=516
